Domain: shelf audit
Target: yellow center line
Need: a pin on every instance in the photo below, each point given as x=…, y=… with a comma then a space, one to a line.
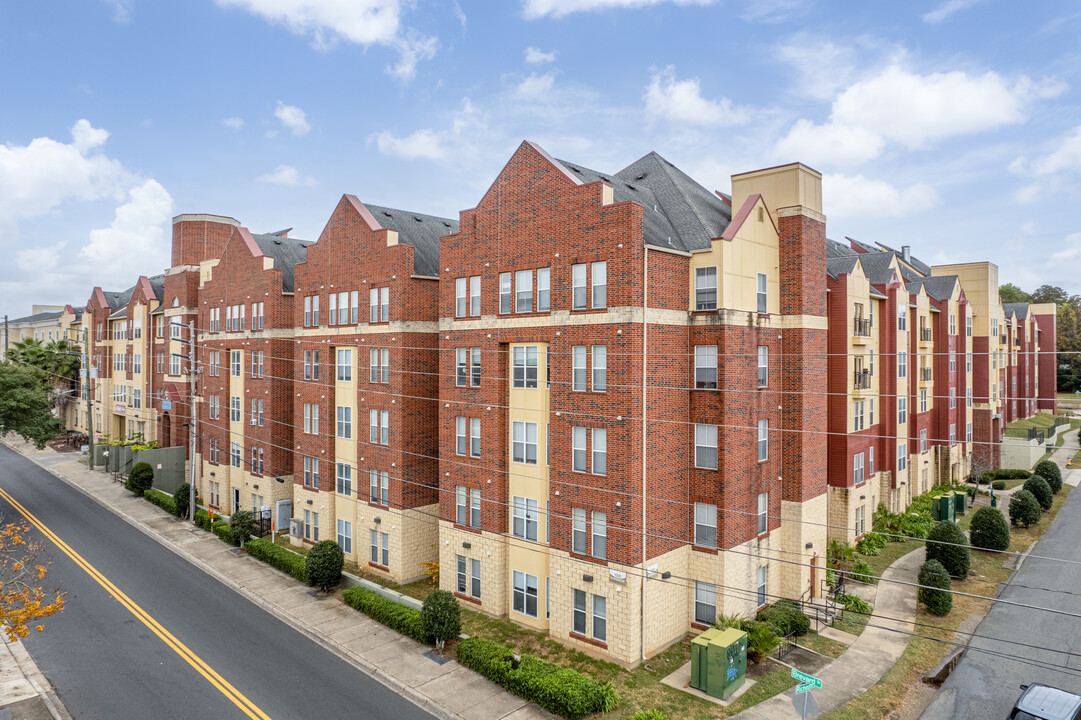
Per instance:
x=247, y=706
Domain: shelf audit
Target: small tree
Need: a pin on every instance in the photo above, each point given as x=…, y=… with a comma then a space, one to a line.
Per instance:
x=140, y=479
x=441, y=617
x=1024, y=509
x=25, y=405
x=989, y=530
x=1051, y=473
x=1040, y=489
x=325, y=562
x=947, y=543
x=939, y=601
x=182, y=498
x=22, y=570
x=242, y=524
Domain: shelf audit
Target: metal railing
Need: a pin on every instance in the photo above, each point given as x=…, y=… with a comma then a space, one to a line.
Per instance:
x=925, y=334
x=861, y=327
x=784, y=647
x=861, y=380
x=1036, y=434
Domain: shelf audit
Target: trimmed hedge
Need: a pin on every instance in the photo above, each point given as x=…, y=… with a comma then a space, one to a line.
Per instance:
x=1051, y=473
x=157, y=497
x=998, y=485
x=182, y=500
x=951, y=548
x=223, y=530
x=202, y=519
x=1024, y=509
x=140, y=478
x=1041, y=490
x=1010, y=474
x=558, y=690
x=243, y=523
x=939, y=602
x=287, y=561
x=396, y=616
x=325, y=562
x=784, y=620
x=989, y=530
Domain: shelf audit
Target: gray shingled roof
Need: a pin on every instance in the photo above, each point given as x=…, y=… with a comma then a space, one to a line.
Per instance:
x=157, y=284
x=38, y=317
x=419, y=230
x=836, y=249
x=287, y=252
x=1018, y=309
x=876, y=266
x=939, y=287
x=836, y=266
x=118, y=299
x=921, y=266
x=119, y=314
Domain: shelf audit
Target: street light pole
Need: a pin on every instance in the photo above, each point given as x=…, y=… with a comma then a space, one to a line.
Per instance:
x=86, y=386
x=192, y=432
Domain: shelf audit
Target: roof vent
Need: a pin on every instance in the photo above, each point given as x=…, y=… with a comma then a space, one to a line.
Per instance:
x=906, y=253
x=277, y=242
x=417, y=219
x=629, y=186
x=576, y=170
x=641, y=177
x=605, y=179
x=387, y=214
x=446, y=224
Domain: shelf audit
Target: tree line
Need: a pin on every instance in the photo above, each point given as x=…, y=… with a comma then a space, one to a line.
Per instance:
x=1068, y=328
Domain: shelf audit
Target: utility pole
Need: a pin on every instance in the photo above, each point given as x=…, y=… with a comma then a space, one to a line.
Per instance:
x=86, y=386
x=191, y=425
x=6, y=334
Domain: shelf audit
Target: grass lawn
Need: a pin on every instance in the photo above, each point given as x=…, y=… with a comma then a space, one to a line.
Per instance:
x=923, y=654
x=823, y=645
x=851, y=623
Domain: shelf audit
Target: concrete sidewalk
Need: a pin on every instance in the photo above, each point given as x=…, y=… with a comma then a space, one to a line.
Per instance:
x=869, y=657
x=447, y=690
x=24, y=690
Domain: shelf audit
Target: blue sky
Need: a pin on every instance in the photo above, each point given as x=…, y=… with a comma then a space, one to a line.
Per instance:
x=953, y=126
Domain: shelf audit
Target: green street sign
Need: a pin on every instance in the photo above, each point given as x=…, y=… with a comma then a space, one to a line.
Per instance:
x=810, y=681
x=800, y=689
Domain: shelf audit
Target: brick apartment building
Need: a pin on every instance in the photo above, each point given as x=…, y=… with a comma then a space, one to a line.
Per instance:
x=612, y=406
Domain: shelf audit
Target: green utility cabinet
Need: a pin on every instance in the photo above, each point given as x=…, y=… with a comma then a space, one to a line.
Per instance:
x=719, y=662
x=960, y=502
x=942, y=508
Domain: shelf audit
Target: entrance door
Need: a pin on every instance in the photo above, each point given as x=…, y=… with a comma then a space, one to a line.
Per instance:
x=814, y=577
x=236, y=499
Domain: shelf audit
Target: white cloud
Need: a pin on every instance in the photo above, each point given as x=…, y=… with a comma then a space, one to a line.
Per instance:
x=137, y=231
x=946, y=9
x=533, y=9
x=1068, y=256
x=293, y=118
x=856, y=196
x=911, y=110
x=233, y=122
x=40, y=259
x=121, y=10
x=681, y=102
x=772, y=11
x=286, y=176
x=533, y=56
x=414, y=47
x=1065, y=158
x=841, y=145
x=1057, y=171
x=434, y=144
x=535, y=87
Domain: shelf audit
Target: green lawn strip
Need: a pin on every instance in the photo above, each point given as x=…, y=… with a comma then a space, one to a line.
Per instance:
x=851, y=623
x=823, y=645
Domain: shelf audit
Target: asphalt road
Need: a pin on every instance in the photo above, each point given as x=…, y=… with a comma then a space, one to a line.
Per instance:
x=984, y=686
x=106, y=663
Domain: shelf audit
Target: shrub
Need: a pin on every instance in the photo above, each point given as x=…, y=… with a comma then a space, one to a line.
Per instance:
x=866, y=546
x=559, y=690
x=947, y=544
x=648, y=715
x=1010, y=474
x=784, y=620
x=840, y=551
x=287, y=561
x=760, y=639
x=1041, y=490
x=938, y=601
x=441, y=617
x=998, y=485
x=1051, y=473
x=861, y=572
x=140, y=478
x=989, y=530
x=202, y=519
x=242, y=523
x=181, y=499
x=157, y=497
x=223, y=530
x=1024, y=509
x=325, y=563
x=856, y=604
x=735, y=620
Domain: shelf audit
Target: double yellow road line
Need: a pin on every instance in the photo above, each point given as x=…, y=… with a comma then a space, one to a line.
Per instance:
x=247, y=706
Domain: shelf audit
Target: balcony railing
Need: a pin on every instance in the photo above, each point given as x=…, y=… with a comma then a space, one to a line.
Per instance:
x=925, y=373
x=861, y=327
x=925, y=334
x=861, y=380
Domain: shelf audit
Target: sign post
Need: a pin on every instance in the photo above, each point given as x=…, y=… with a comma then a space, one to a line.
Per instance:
x=808, y=707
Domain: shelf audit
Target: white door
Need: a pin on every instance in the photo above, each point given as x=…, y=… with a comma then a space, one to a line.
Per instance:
x=284, y=514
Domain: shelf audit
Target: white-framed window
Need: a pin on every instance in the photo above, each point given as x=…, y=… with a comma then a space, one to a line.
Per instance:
x=705, y=446
x=311, y=472
x=579, y=368
x=953, y=324
x=953, y=434
x=174, y=364
x=857, y=415
x=599, y=616
x=763, y=440
x=311, y=418
x=345, y=364
x=861, y=518
x=474, y=437
x=311, y=526
x=525, y=515
x=214, y=407
x=461, y=296
x=344, y=427
x=902, y=318
x=234, y=454
x=600, y=368
x=705, y=603
x=953, y=398
x=902, y=364
x=524, y=599
x=762, y=585
x=467, y=369
x=763, y=366
x=923, y=440
x=344, y=479
x=600, y=284
x=234, y=363
x=871, y=412
x=345, y=535
x=600, y=535
x=902, y=456
x=705, y=367
x=760, y=294
x=578, y=449
x=871, y=461
x=379, y=427
x=578, y=612
x=524, y=442
x=579, y=298
x=968, y=432
x=257, y=364
x=380, y=548
x=902, y=410
x=474, y=295
x=523, y=291
x=379, y=365
x=136, y=398
x=461, y=438
x=525, y=367
x=968, y=397
x=705, y=525
x=379, y=487
x=468, y=583
x=311, y=364
x=923, y=399
x=953, y=361
x=578, y=531
x=544, y=291
x=857, y=469
x=968, y=326
x=506, y=292
x=234, y=408
x=705, y=288
x=763, y=512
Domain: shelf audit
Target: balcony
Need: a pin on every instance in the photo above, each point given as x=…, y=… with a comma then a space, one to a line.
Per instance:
x=861, y=327
x=925, y=374
x=1017, y=341
x=925, y=334
x=861, y=380
x=1003, y=338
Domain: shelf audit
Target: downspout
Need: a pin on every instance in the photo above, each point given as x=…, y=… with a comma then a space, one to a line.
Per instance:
x=645, y=345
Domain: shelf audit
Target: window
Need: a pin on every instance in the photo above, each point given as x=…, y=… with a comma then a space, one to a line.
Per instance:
x=763, y=440
x=857, y=415
x=871, y=357
x=705, y=446
x=953, y=361
x=525, y=594
x=354, y=306
x=902, y=456
x=544, y=289
x=923, y=399
x=257, y=316
x=460, y=438
x=505, y=292
x=578, y=624
x=345, y=536
x=461, y=508
x=968, y=433
x=174, y=364
x=260, y=467
x=468, y=367
x=311, y=526
x=578, y=531
x=256, y=412
x=234, y=408
x=600, y=535
x=600, y=451
x=379, y=305
x=953, y=397
x=467, y=506
x=379, y=365
x=474, y=437
x=344, y=478
x=871, y=413
x=523, y=291
x=600, y=368
x=345, y=364
x=136, y=398
x=257, y=363
x=857, y=469
x=761, y=586
x=234, y=363
x=379, y=427
x=461, y=296
x=600, y=284
x=953, y=434
x=705, y=603
x=311, y=418
x=161, y=363
x=578, y=283
x=380, y=543
x=902, y=319
x=871, y=460
x=923, y=440
x=344, y=428
x=705, y=288
x=578, y=449
x=214, y=407
x=525, y=514
x=705, y=367
x=579, y=368
x=311, y=364
x=953, y=324
x=968, y=397
x=763, y=365
x=600, y=618
x=705, y=525
x=234, y=454
x=760, y=284
x=524, y=442
x=763, y=512
x=902, y=410
x=379, y=487
x=469, y=584
x=902, y=364
x=525, y=367
x=474, y=295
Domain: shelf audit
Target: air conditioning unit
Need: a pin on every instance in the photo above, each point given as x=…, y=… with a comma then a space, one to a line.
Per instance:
x=296, y=528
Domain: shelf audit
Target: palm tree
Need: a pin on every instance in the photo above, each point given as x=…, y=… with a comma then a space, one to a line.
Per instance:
x=28, y=351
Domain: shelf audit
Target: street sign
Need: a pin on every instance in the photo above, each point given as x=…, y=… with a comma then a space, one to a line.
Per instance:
x=807, y=687
x=806, y=705
x=806, y=679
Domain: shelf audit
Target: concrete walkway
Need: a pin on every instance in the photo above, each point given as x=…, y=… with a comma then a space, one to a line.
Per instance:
x=869, y=657
x=446, y=690
x=24, y=690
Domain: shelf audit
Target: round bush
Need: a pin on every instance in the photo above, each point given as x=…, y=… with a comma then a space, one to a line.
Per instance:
x=784, y=620
x=989, y=530
x=947, y=543
x=1024, y=509
x=181, y=499
x=1051, y=473
x=441, y=617
x=325, y=562
x=861, y=572
x=998, y=485
x=1038, y=486
x=140, y=478
x=242, y=524
x=939, y=601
